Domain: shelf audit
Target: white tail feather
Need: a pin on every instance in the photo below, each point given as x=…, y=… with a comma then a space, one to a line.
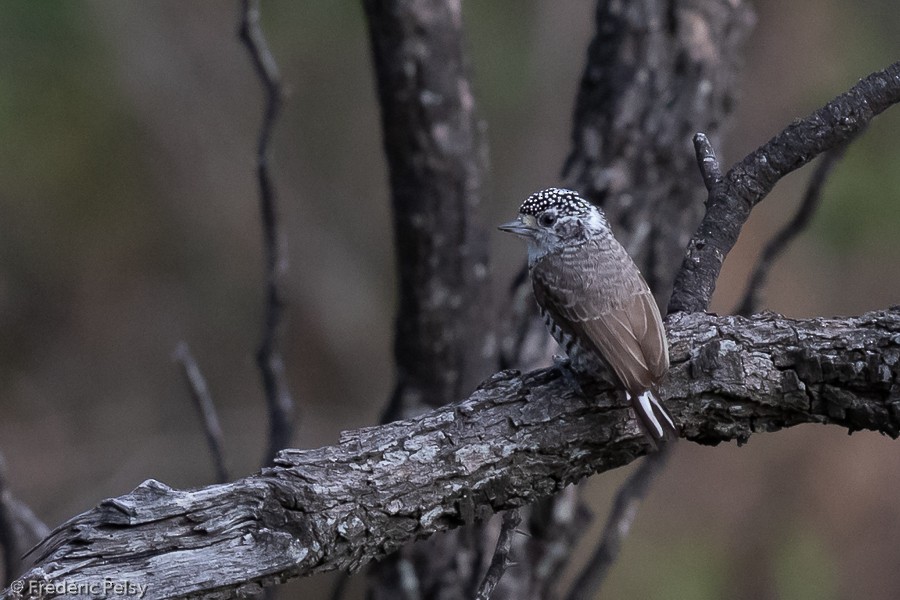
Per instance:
x=650, y=409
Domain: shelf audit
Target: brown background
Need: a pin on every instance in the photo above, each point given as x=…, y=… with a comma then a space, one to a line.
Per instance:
x=128, y=222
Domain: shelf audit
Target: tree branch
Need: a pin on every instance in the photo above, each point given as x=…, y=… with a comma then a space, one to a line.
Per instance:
x=203, y=402
x=437, y=158
x=268, y=357
x=750, y=180
x=656, y=73
x=792, y=229
x=500, y=560
x=20, y=529
x=519, y=437
x=444, y=341
x=618, y=524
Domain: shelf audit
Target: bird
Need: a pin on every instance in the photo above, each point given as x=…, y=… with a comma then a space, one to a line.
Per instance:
x=594, y=300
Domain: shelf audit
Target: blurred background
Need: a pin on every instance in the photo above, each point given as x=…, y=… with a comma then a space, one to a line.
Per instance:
x=128, y=223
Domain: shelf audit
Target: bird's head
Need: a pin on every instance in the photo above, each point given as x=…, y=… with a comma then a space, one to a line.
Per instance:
x=554, y=218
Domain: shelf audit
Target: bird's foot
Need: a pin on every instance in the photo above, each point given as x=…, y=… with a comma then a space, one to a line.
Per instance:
x=569, y=374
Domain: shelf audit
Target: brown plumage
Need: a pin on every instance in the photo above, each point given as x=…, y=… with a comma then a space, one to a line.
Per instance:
x=595, y=300
x=598, y=297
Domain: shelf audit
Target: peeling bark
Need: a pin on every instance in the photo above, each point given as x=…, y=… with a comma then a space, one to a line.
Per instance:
x=518, y=438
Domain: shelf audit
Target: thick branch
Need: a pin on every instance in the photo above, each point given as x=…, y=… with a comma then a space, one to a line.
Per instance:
x=519, y=437
x=655, y=73
x=436, y=154
x=750, y=180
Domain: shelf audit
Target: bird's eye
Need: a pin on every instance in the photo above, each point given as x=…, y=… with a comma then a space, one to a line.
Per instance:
x=547, y=219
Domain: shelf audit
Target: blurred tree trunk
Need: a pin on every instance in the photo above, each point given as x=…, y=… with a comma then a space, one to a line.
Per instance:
x=656, y=73
x=444, y=341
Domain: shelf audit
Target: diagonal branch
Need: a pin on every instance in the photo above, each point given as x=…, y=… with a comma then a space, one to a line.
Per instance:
x=519, y=437
x=268, y=357
x=750, y=180
x=205, y=408
x=500, y=561
x=792, y=229
x=20, y=529
x=625, y=505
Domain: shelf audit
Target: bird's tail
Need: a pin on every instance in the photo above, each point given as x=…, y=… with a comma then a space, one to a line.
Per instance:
x=655, y=418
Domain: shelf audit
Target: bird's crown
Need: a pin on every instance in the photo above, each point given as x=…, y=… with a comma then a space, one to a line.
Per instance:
x=565, y=202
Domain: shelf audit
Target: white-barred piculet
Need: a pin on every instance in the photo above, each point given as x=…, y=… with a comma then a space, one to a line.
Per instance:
x=594, y=299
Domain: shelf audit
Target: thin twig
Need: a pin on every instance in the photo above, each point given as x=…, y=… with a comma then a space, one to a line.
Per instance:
x=618, y=524
x=207, y=410
x=268, y=357
x=780, y=240
x=708, y=163
x=751, y=179
x=8, y=542
x=500, y=562
x=20, y=529
x=340, y=586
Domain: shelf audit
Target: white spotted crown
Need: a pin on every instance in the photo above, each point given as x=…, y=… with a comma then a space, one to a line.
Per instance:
x=566, y=202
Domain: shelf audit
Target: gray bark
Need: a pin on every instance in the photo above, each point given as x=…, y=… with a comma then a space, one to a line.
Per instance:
x=657, y=72
x=732, y=197
x=444, y=341
x=519, y=437
x=436, y=158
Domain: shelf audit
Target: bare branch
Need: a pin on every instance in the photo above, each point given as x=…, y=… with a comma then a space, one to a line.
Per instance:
x=203, y=402
x=708, y=163
x=750, y=180
x=618, y=524
x=780, y=240
x=519, y=437
x=268, y=357
x=650, y=83
x=500, y=562
x=20, y=529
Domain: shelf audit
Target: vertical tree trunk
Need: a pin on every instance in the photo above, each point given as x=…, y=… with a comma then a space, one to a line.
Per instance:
x=657, y=72
x=437, y=156
x=444, y=341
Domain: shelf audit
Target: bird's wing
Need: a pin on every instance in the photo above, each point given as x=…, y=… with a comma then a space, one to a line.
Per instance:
x=601, y=299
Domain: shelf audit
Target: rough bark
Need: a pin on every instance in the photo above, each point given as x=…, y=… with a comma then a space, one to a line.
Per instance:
x=657, y=72
x=436, y=158
x=732, y=197
x=518, y=438
x=444, y=342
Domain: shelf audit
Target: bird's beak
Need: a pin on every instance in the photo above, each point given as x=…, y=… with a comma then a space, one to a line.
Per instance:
x=518, y=227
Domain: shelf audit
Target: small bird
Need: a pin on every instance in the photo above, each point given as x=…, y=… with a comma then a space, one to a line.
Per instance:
x=594, y=299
